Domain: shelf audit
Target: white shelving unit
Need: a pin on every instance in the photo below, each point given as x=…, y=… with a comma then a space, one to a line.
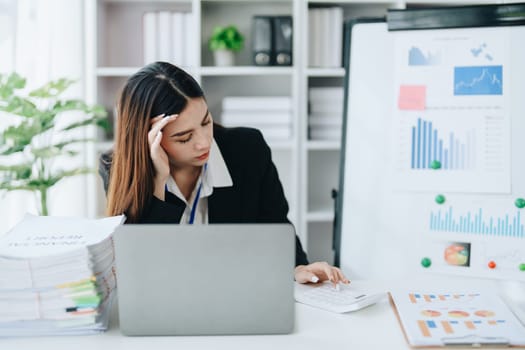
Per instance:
x=309, y=170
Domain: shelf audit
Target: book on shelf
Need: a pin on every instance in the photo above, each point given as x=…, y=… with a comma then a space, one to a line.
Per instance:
x=190, y=48
x=326, y=33
x=164, y=36
x=326, y=45
x=271, y=115
x=326, y=93
x=337, y=27
x=313, y=52
x=169, y=36
x=263, y=103
x=149, y=37
x=276, y=133
x=326, y=108
x=325, y=120
x=255, y=117
x=325, y=133
x=178, y=38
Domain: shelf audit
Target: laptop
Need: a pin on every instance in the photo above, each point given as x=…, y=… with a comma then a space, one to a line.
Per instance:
x=217, y=279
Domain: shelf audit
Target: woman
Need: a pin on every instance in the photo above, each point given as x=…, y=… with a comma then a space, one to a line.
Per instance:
x=172, y=164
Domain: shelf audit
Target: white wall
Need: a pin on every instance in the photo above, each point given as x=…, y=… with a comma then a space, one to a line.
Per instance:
x=43, y=40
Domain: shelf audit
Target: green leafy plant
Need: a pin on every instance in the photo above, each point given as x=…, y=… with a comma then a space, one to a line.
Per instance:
x=31, y=138
x=226, y=38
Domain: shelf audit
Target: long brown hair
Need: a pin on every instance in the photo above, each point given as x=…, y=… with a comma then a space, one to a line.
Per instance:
x=157, y=88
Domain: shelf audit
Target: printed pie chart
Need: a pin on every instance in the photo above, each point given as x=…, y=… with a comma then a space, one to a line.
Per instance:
x=484, y=313
x=456, y=255
x=458, y=314
x=431, y=313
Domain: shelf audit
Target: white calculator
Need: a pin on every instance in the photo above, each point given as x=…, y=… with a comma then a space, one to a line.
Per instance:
x=342, y=299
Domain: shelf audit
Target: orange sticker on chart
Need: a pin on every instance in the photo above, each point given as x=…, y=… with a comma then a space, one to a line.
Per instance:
x=458, y=313
x=484, y=313
x=431, y=313
x=412, y=97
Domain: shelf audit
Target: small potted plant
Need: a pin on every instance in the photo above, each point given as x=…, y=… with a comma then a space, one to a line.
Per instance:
x=224, y=42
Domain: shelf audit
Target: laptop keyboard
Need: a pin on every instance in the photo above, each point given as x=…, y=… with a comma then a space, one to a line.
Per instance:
x=341, y=299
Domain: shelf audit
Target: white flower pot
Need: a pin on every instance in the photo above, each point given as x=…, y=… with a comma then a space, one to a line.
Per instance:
x=224, y=58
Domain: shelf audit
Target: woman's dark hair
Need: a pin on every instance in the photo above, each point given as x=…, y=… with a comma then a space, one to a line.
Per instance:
x=158, y=88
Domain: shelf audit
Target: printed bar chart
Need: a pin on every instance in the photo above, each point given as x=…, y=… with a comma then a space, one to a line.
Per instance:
x=415, y=298
x=427, y=145
x=426, y=327
x=476, y=223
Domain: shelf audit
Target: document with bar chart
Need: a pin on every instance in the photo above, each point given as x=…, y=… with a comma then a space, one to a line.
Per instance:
x=451, y=119
x=456, y=318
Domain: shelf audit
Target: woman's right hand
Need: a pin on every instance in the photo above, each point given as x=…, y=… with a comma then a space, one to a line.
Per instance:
x=159, y=157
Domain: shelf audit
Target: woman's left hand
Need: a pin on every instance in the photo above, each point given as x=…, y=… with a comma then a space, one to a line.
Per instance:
x=319, y=272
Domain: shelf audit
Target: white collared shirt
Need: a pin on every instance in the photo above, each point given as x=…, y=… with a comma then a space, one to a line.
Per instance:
x=216, y=175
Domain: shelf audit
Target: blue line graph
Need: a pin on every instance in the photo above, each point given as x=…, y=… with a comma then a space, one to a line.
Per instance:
x=477, y=223
x=479, y=80
x=427, y=145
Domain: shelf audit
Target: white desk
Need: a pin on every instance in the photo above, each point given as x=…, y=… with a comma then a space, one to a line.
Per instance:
x=375, y=327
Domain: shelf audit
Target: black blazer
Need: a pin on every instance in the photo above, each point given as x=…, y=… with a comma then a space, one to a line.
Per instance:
x=256, y=195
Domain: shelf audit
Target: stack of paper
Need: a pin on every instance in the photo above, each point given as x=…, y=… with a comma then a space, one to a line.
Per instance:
x=57, y=276
x=325, y=119
x=272, y=115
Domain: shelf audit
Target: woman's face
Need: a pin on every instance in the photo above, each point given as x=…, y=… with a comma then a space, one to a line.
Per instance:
x=187, y=140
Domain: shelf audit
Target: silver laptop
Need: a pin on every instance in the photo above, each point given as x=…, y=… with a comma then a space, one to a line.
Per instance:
x=220, y=279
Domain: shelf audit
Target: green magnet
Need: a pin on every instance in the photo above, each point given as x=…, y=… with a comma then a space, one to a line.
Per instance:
x=435, y=164
x=426, y=262
x=520, y=203
x=440, y=199
x=522, y=267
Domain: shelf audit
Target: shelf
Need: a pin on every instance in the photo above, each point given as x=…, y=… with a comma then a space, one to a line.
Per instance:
x=281, y=145
x=357, y=2
x=323, y=145
x=146, y=1
x=244, y=1
x=320, y=216
x=245, y=70
x=449, y=2
x=325, y=72
x=116, y=71
x=125, y=71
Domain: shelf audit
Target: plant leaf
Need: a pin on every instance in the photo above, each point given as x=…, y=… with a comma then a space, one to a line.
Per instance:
x=70, y=105
x=58, y=149
x=10, y=83
x=7, y=186
x=20, y=106
x=18, y=171
x=94, y=120
x=51, y=181
x=17, y=137
x=52, y=89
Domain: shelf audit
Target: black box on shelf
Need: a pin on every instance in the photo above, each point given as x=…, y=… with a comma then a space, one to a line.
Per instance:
x=282, y=40
x=262, y=51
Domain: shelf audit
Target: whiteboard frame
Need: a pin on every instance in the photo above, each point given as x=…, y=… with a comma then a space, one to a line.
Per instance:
x=441, y=18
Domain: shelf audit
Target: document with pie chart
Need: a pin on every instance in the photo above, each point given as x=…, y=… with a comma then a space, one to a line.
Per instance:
x=456, y=318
